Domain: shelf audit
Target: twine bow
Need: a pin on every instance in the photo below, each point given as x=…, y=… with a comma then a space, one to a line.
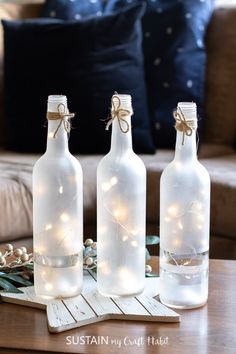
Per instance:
x=183, y=125
x=119, y=113
x=64, y=115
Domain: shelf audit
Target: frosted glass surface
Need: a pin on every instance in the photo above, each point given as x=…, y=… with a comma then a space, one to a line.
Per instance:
x=58, y=219
x=184, y=227
x=121, y=218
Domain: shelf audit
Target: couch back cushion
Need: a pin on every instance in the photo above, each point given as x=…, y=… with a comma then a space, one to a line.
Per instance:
x=221, y=78
x=100, y=55
x=12, y=12
x=73, y=9
x=175, y=57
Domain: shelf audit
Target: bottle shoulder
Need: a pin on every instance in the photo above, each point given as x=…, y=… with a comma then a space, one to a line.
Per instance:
x=178, y=170
x=127, y=160
x=60, y=162
x=126, y=167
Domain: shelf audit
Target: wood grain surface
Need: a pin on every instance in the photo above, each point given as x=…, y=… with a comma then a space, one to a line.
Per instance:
x=207, y=330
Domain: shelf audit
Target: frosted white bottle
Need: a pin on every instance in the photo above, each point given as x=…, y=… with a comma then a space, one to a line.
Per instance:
x=57, y=213
x=121, y=212
x=184, y=222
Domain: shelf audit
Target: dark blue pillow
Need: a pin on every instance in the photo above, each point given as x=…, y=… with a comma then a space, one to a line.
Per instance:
x=71, y=9
x=174, y=54
x=86, y=60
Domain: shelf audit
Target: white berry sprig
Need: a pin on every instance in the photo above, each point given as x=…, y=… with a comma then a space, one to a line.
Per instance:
x=14, y=258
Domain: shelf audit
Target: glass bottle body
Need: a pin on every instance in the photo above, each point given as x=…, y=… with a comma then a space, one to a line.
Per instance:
x=58, y=219
x=184, y=228
x=121, y=218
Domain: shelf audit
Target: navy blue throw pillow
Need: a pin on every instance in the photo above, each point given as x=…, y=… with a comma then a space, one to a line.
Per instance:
x=71, y=9
x=174, y=55
x=86, y=60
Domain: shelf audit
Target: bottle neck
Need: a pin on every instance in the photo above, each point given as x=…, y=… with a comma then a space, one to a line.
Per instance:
x=121, y=142
x=59, y=144
x=186, y=151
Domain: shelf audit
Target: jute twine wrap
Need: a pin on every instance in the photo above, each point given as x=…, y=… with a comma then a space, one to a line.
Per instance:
x=184, y=125
x=120, y=113
x=64, y=116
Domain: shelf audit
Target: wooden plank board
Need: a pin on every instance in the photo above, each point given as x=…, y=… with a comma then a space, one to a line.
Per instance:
x=102, y=304
x=58, y=315
x=91, y=307
x=28, y=298
x=80, y=308
x=157, y=309
x=130, y=306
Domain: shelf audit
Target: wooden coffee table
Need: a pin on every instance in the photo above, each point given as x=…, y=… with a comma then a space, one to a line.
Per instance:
x=207, y=330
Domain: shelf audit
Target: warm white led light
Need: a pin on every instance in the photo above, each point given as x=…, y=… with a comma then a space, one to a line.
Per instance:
x=61, y=189
x=173, y=211
x=134, y=243
x=177, y=242
x=104, y=268
x=64, y=217
x=120, y=214
x=48, y=227
x=48, y=286
x=200, y=217
x=180, y=225
x=113, y=181
x=106, y=186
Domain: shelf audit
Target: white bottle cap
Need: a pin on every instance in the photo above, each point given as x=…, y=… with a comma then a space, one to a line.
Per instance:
x=54, y=101
x=124, y=100
x=188, y=109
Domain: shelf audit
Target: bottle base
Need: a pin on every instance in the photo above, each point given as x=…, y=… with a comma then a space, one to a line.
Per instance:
x=183, y=307
x=59, y=296
x=108, y=294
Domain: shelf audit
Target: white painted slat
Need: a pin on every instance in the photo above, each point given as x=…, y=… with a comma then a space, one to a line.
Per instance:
x=156, y=308
x=58, y=315
x=102, y=305
x=131, y=306
x=28, y=298
x=91, y=307
x=79, y=308
x=31, y=296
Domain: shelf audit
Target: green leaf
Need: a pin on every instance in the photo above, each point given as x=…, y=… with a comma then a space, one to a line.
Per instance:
x=17, y=279
x=152, y=275
x=8, y=287
x=152, y=240
x=147, y=254
x=29, y=266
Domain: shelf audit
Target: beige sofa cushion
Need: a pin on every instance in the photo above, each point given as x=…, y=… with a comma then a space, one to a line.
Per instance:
x=16, y=192
x=13, y=11
x=15, y=200
x=223, y=190
x=221, y=78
